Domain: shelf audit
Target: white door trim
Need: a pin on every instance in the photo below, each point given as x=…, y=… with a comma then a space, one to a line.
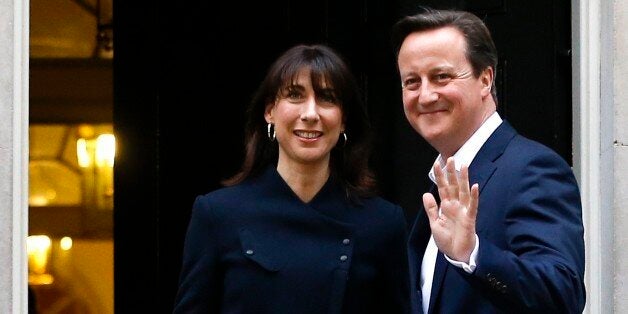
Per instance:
x=593, y=155
x=21, y=70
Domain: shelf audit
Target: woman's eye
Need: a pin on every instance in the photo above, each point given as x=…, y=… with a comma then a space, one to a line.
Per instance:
x=294, y=95
x=327, y=98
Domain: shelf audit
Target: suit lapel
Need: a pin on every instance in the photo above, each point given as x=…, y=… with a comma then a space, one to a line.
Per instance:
x=484, y=165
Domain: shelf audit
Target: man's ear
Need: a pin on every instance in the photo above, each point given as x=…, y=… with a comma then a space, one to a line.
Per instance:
x=486, y=78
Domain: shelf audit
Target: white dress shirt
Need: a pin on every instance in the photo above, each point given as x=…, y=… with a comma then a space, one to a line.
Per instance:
x=464, y=156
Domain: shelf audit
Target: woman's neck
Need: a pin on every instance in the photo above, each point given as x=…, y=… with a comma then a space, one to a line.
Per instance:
x=305, y=180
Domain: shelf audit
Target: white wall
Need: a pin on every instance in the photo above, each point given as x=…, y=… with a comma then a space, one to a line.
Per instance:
x=600, y=90
x=13, y=154
x=620, y=151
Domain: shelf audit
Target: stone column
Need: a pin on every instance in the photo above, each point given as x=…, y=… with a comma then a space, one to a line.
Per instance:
x=620, y=152
x=14, y=25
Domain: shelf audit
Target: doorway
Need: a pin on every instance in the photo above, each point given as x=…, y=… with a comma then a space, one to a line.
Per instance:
x=184, y=73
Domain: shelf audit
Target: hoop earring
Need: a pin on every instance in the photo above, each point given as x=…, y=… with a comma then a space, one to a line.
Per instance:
x=268, y=129
x=345, y=137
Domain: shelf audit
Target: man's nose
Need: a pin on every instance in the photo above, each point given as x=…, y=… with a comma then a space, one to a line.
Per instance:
x=310, y=110
x=427, y=94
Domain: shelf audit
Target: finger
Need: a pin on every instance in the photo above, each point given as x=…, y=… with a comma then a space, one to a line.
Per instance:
x=465, y=193
x=441, y=181
x=431, y=208
x=475, y=199
x=452, y=178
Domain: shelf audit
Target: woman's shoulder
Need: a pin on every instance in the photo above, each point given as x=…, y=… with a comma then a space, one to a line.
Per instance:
x=379, y=201
x=225, y=205
x=226, y=195
x=382, y=206
x=384, y=217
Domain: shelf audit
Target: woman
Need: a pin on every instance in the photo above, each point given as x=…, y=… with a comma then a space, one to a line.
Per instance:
x=299, y=229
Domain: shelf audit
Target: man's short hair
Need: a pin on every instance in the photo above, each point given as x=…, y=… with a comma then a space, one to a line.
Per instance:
x=481, y=51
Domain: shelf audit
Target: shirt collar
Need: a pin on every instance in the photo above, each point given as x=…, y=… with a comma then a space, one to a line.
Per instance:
x=466, y=153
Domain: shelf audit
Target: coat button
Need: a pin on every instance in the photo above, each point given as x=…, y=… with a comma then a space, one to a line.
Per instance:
x=343, y=258
x=346, y=241
x=249, y=252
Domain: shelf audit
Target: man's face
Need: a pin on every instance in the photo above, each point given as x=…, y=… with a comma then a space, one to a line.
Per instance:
x=442, y=99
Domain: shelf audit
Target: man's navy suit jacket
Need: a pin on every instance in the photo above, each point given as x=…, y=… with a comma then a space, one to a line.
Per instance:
x=529, y=223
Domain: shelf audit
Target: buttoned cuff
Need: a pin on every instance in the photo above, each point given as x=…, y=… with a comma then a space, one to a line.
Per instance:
x=469, y=268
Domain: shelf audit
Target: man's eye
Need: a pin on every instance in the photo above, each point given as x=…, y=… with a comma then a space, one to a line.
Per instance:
x=411, y=84
x=442, y=77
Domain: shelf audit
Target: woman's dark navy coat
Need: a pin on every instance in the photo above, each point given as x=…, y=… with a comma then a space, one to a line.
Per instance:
x=257, y=248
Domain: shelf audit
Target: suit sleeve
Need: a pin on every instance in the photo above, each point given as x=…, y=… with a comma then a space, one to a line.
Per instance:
x=542, y=267
x=199, y=279
x=396, y=278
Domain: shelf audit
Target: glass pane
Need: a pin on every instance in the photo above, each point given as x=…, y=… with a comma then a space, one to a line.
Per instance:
x=71, y=217
x=45, y=140
x=62, y=29
x=52, y=183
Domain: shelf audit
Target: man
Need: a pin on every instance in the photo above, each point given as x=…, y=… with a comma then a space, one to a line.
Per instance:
x=513, y=242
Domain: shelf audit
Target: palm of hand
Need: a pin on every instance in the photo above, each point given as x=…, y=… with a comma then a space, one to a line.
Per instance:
x=453, y=226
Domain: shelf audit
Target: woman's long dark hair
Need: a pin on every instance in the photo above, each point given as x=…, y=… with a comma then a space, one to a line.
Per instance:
x=348, y=161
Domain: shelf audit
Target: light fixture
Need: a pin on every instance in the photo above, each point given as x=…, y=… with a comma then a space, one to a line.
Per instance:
x=65, y=243
x=38, y=248
x=105, y=150
x=96, y=156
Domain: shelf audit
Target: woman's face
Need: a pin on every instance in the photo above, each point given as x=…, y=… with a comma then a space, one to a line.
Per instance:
x=307, y=124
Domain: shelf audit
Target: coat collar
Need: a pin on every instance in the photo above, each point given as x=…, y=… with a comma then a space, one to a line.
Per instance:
x=483, y=164
x=330, y=201
x=271, y=181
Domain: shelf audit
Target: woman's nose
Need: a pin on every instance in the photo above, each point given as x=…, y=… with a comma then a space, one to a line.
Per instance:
x=310, y=110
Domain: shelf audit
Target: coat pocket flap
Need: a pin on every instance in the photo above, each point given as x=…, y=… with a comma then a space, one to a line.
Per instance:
x=259, y=251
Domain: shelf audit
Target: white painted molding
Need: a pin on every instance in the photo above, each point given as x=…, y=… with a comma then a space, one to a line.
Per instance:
x=21, y=33
x=593, y=163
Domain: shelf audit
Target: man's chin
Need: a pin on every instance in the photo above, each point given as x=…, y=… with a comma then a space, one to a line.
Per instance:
x=430, y=134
